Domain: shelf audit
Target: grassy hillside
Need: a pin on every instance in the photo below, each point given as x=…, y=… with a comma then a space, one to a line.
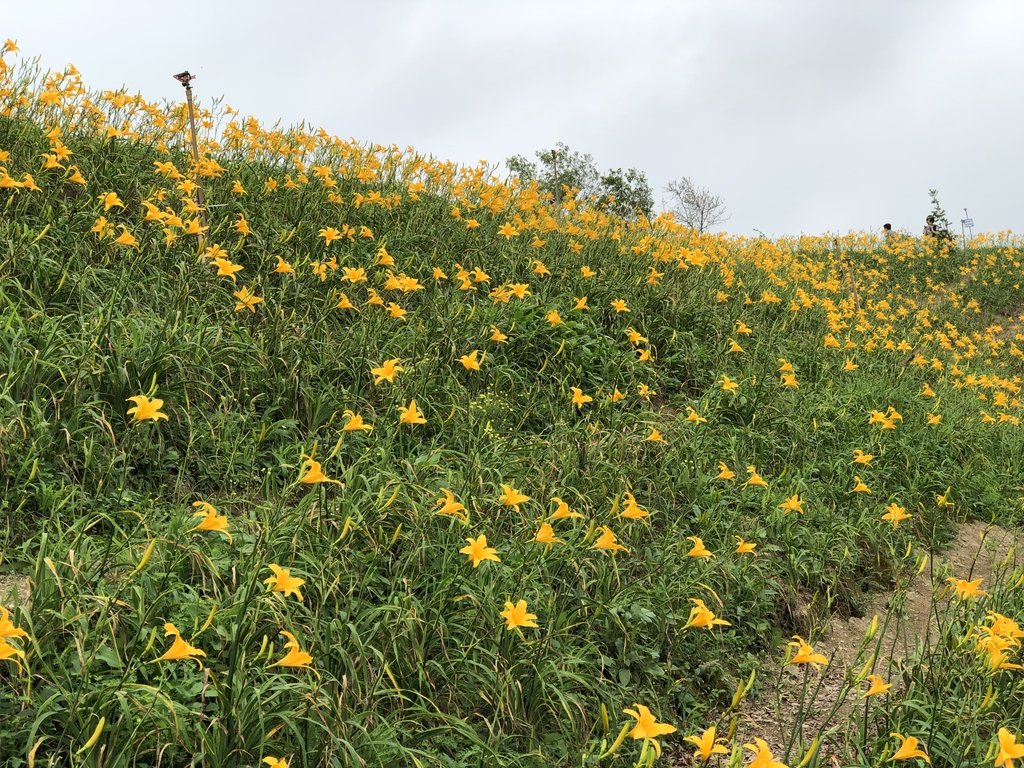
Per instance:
x=640, y=421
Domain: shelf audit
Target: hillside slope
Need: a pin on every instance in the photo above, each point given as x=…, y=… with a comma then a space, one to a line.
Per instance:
x=446, y=407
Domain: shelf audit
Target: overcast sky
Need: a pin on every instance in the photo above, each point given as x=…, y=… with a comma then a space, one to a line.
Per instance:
x=805, y=116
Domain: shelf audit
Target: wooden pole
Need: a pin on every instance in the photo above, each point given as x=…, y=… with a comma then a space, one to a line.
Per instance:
x=186, y=78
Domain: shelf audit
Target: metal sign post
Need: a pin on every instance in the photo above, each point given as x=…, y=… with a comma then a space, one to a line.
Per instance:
x=186, y=78
x=966, y=223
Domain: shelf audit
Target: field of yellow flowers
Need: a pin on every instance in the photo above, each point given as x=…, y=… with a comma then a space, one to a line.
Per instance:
x=319, y=453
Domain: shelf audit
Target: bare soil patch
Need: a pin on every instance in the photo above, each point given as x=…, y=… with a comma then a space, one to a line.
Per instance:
x=13, y=590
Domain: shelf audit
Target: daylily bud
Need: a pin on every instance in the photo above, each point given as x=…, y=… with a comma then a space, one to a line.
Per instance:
x=811, y=752
x=872, y=628
x=94, y=737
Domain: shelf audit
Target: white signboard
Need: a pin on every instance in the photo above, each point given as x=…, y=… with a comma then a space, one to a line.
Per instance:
x=967, y=222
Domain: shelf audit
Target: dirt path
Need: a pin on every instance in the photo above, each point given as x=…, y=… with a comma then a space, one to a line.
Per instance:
x=905, y=619
x=13, y=589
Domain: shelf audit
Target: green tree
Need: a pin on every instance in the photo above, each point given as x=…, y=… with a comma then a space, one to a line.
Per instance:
x=625, y=193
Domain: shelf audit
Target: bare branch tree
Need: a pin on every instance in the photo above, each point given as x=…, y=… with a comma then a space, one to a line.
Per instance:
x=696, y=207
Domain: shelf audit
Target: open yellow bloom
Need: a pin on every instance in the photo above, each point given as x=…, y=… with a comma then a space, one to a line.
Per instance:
x=995, y=647
x=1009, y=749
x=805, y=653
x=793, y=504
x=859, y=486
x=702, y=617
x=546, y=535
x=471, y=362
x=246, y=299
x=329, y=234
x=282, y=581
x=706, y=745
x=102, y=228
x=655, y=437
x=562, y=510
x=510, y=497
x=631, y=510
x=517, y=616
x=744, y=547
x=146, y=409
x=355, y=423
x=908, y=749
x=966, y=589
x=212, y=519
x=895, y=514
x=9, y=653
x=635, y=337
x=698, y=549
x=608, y=542
x=7, y=629
x=448, y=505
x=295, y=657
x=227, y=268
x=859, y=457
x=180, y=650
x=126, y=238
x=354, y=274
x=477, y=551
x=312, y=474
x=387, y=370
x=878, y=686
x=647, y=726
x=411, y=414
x=754, y=478
x=109, y=200
x=579, y=399
x=763, y=757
